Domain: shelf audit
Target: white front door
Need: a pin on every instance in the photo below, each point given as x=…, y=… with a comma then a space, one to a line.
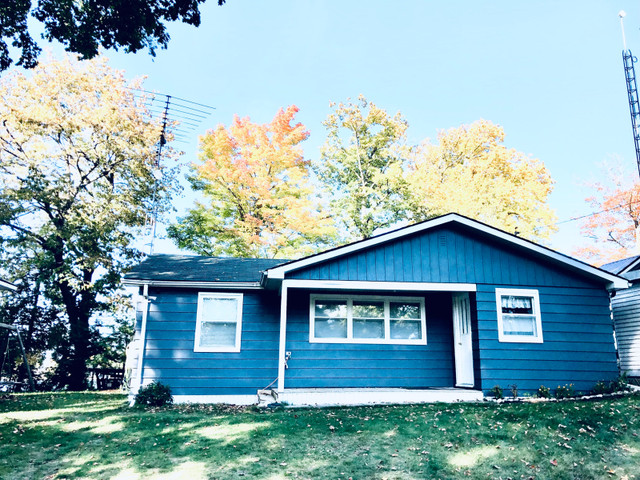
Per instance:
x=463, y=349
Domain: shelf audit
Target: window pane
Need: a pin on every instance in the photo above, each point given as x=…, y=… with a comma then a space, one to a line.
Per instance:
x=406, y=329
x=219, y=309
x=218, y=334
x=368, y=309
x=368, y=328
x=519, y=325
x=331, y=308
x=515, y=304
x=405, y=310
x=331, y=328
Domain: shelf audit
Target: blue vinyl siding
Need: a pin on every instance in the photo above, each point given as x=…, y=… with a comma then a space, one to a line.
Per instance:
x=578, y=343
x=169, y=355
x=340, y=365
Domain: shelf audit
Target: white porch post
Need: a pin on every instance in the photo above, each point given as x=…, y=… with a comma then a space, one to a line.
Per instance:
x=283, y=336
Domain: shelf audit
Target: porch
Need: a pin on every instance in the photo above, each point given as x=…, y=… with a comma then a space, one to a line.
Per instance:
x=328, y=359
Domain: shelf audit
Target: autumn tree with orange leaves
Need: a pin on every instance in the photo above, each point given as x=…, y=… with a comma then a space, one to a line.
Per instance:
x=260, y=202
x=613, y=231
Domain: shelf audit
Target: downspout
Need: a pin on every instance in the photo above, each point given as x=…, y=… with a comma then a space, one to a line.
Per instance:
x=612, y=293
x=283, y=337
x=143, y=338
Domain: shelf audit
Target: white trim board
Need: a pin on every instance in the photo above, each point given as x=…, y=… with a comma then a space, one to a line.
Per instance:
x=614, y=281
x=382, y=286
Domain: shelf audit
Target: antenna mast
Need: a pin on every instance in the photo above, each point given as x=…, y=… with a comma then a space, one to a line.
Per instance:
x=158, y=174
x=632, y=89
x=179, y=118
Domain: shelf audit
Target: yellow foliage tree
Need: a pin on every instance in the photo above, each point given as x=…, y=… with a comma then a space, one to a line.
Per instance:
x=260, y=197
x=77, y=152
x=471, y=172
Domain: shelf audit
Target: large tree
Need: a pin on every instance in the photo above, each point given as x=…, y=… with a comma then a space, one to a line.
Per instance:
x=85, y=26
x=612, y=232
x=362, y=167
x=470, y=171
x=77, y=165
x=256, y=182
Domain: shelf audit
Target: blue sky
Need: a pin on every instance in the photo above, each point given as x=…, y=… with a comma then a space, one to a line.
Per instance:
x=549, y=72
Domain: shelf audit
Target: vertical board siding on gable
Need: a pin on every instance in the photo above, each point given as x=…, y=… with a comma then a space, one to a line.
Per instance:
x=170, y=359
x=449, y=254
x=626, y=314
x=340, y=365
x=577, y=348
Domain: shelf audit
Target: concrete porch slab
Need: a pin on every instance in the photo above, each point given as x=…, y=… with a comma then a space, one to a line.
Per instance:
x=328, y=397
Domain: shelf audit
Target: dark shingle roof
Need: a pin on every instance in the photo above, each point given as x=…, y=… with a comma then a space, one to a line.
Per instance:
x=619, y=265
x=191, y=268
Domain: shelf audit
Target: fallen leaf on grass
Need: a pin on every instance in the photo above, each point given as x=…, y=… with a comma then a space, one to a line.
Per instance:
x=554, y=462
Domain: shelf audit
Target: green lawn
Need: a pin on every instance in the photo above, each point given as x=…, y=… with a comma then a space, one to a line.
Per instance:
x=92, y=435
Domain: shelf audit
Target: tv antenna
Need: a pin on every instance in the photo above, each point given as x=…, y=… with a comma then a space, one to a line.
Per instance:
x=632, y=89
x=179, y=118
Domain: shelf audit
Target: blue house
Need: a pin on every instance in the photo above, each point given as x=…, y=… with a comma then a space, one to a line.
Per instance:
x=440, y=310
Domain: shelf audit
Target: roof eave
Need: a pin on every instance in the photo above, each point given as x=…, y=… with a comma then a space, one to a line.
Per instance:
x=193, y=284
x=630, y=267
x=4, y=285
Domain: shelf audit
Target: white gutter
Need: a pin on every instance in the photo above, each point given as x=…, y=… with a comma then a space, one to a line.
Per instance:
x=191, y=284
x=4, y=285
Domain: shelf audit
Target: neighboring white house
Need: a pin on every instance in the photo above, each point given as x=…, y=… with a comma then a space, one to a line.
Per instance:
x=626, y=314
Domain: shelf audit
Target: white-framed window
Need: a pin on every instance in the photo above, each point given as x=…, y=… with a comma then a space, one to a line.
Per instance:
x=367, y=319
x=219, y=322
x=518, y=315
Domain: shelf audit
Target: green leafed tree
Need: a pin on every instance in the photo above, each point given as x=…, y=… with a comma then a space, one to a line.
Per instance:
x=362, y=168
x=85, y=26
x=259, y=198
x=77, y=153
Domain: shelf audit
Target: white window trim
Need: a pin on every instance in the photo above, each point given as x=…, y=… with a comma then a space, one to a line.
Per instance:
x=536, y=311
x=381, y=341
x=235, y=348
